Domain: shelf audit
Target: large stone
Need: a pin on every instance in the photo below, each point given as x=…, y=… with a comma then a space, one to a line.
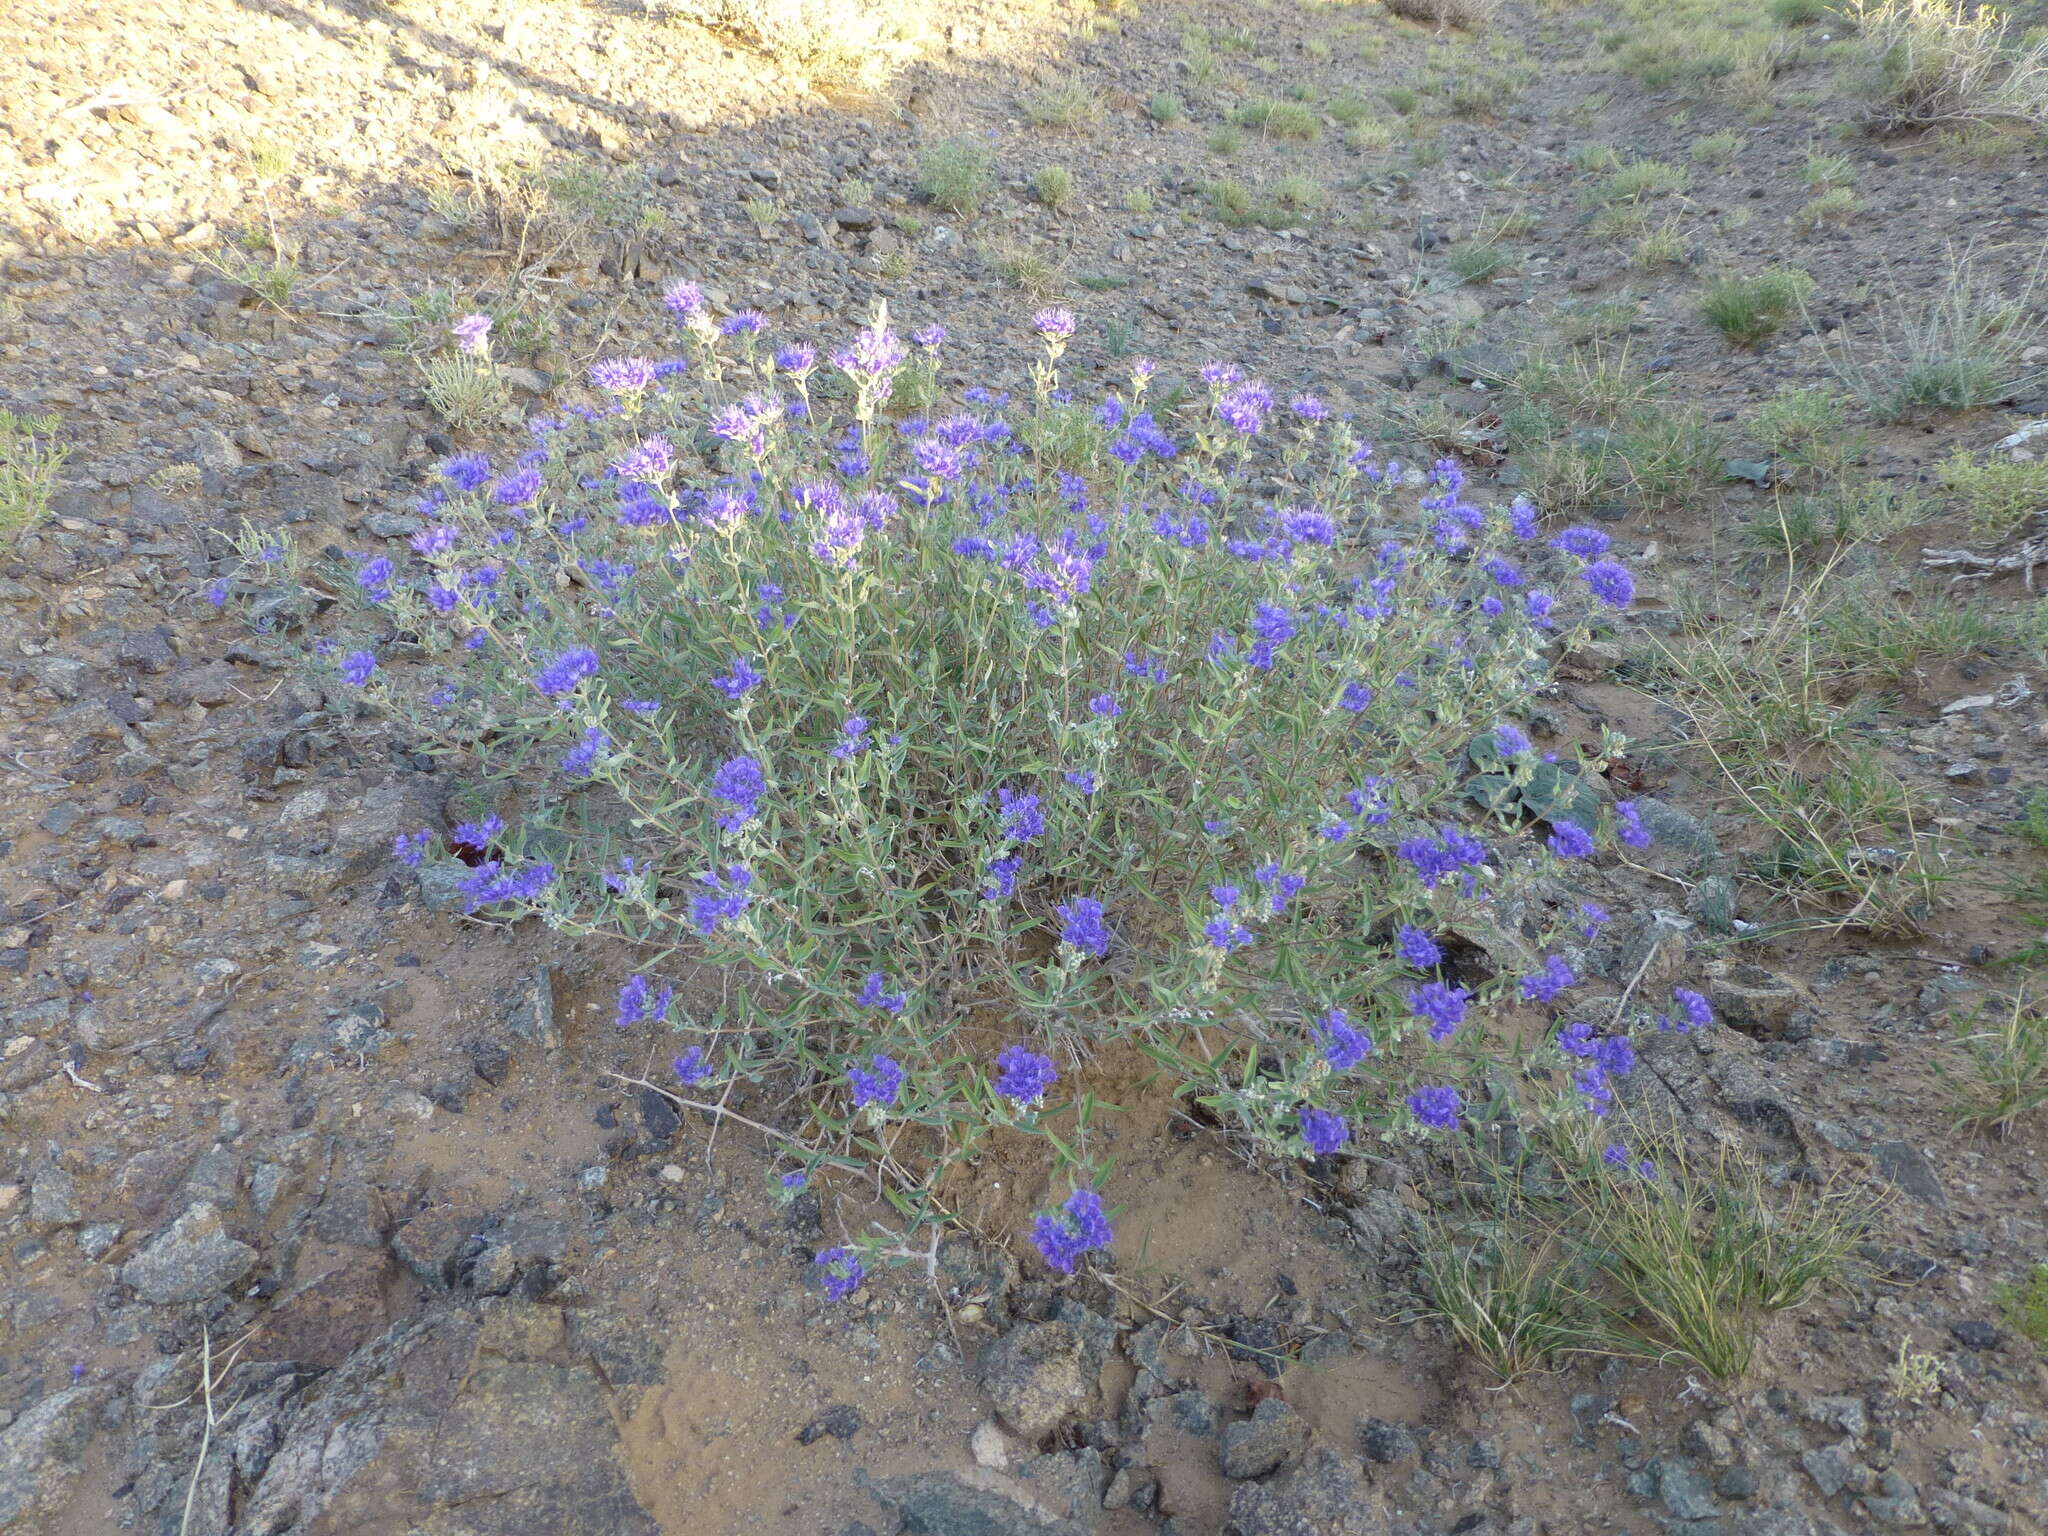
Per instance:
x=1324, y=1494
x=977, y=1502
x=1036, y=1375
x=449, y=1424
x=39, y=1456
x=1273, y=1435
x=190, y=1260
x=1756, y=1001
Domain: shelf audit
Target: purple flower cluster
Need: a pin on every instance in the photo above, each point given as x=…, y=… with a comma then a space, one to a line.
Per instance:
x=1443, y=1006
x=1418, y=948
x=1322, y=1132
x=877, y=1086
x=840, y=1271
x=740, y=783
x=1545, y=985
x=493, y=882
x=1081, y=926
x=1078, y=1226
x=722, y=899
x=1343, y=1046
x=875, y=993
x=1437, y=859
x=1437, y=1105
x=1223, y=931
x=1024, y=1077
x=639, y=1001
x=562, y=675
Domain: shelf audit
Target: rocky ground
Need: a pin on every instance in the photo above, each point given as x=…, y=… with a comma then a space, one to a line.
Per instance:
x=328, y=1209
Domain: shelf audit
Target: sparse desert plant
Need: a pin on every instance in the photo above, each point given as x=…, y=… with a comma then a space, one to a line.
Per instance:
x=1445, y=13
x=1278, y=119
x=1225, y=142
x=1139, y=200
x=2001, y=1072
x=880, y=753
x=957, y=174
x=1837, y=205
x=1061, y=104
x=1638, y=180
x=1800, y=13
x=1402, y=99
x=1666, y=245
x=763, y=212
x=1595, y=157
x=1368, y=135
x=1479, y=261
x=1826, y=171
x=31, y=459
x=1747, y=310
x=1031, y=269
x=272, y=281
x=466, y=393
x=1913, y=1376
x=1511, y=1299
x=1937, y=62
x=1166, y=108
x=1950, y=345
x=2025, y=1304
x=1716, y=148
x=1998, y=496
x=856, y=42
x=1053, y=185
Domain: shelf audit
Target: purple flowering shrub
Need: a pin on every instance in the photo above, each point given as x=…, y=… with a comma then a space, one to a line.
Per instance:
x=1100, y=719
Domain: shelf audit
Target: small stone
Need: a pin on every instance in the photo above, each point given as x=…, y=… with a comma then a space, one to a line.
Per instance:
x=190, y=1260
x=671, y=1173
x=842, y=1421
x=1829, y=1467
x=989, y=1446
x=52, y=1200
x=1035, y=1377
x=1273, y=1435
x=95, y=1239
x=489, y=1060
x=1683, y=1490
x=1385, y=1441
x=1974, y=1334
x=41, y=1454
x=1907, y=1167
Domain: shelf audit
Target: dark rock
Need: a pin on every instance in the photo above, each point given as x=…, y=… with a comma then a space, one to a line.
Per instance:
x=432, y=1244
x=1973, y=1334
x=1273, y=1435
x=530, y=1010
x=977, y=1502
x=1385, y=1441
x=1036, y=1377
x=1325, y=1494
x=1907, y=1167
x=333, y=1306
x=660, y=1117
x=40, y=1454
x=490, y=1060
x=447, y=1423
x=190, y=1260
x=842, y=1421
x=53, y=1199
x=1683, y=1490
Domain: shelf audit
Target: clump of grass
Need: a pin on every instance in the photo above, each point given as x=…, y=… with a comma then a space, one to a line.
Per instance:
x=1230, y=200
x=1747, y=310
x=1403, y=100
x=1053, y=185
x=1479, y=261
x=1952, y=345
x=763, y=212
x=1166, y=108
x=1369, y=135
x=1348, y=108
x=1444, y=13
x=1640, y=180
x=1029, y=269
x=1800, y=13
x=1593, y=157
x=1297, y=191
x=1225, y=142
x=1510, y=1301
x=1598, y=321
x=853, y=42
x=1716, y=148
x=1664, y=246
x=1138, y=200
x=1062, y=104
x=956, y=174
x=1827, y=171
x=2026, y=1306
x=2001, y=1074
x=1937, y=62
x=1278, y=119
x=1837, y=205
x=1998, y=496
x=1869, y=633
x=31, y=459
